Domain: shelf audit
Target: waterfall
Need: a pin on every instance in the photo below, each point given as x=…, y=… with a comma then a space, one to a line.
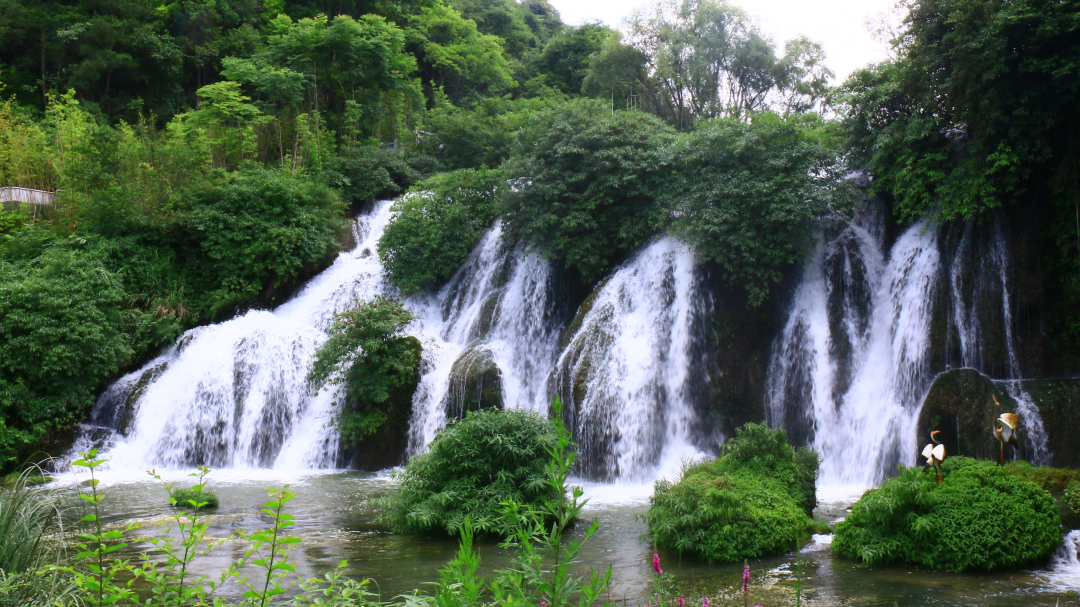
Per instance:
x=498, y=309
x=235, y=394
x=624, y=373
x=1065, y=566
x=853, y=362
x=983, y=319
x=851, y=365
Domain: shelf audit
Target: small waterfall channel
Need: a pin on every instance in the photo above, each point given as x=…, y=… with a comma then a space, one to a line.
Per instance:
x=498, y=334
x=853, y=362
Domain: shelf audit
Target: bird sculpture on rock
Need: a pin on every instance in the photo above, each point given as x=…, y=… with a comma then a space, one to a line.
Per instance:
x=1005, y=431
x=935, y=454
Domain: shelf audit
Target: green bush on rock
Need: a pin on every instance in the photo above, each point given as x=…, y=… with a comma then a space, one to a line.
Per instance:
x=753, y=501
x=1072, y=496
x=438, y=222
x=186, y=497
x=470, y=469
x=369, y=354
x=980, y=518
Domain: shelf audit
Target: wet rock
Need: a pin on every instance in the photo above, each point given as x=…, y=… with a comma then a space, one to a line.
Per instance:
x=475, y=383
x=1058, y=401
x=961, y=404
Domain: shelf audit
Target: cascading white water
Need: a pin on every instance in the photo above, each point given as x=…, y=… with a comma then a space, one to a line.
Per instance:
x=235, y=394
x=624, y=373
x=851, y=367
x=971, y=333
x=498, y=303
x=863, y=403
x=1065, y=566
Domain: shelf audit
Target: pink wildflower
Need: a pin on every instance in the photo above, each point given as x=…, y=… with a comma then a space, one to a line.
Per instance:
x=656, y=564
x=704, y=601
x=680, y=602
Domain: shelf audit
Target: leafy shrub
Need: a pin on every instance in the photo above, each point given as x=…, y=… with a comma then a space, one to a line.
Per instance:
x=437, y=224
x=369, y=353
x=1072, y=496
x=980, y=518
x=61, y=336
x=753, y=501
x=470, y=469
x=369, y=172
x=747, y=195
x=186, y=497
x=258, y=232
x=482, y=135
x=585, y=183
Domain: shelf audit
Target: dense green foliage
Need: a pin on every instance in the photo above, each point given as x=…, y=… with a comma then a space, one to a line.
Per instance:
x=369, y=354
x=981, y=93
x=747, y=195
x=437, y=223
x=1072, y=496
x=751, y=502
x=980, y=518
x=471, y=469
x=61, y=333
x=258, y=232
x=195, y=497
x=585, y=181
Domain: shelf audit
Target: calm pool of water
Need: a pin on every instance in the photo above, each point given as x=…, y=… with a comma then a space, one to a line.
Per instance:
x=336, y=519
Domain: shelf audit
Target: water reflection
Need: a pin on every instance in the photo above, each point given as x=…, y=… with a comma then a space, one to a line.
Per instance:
x=336, y=519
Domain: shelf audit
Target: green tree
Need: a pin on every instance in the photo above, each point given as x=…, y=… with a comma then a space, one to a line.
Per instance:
x=747, y=195
x=257, y=234
x=61, y=337
x=706, y=59
x=565, y=58
x=369, y=354
x=585, y=182
x=455, y=57
x=482, y=135
x=619, y=72
x=437, y=224
x=981, y=94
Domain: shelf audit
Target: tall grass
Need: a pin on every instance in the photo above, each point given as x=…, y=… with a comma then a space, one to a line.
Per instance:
x=32, y=541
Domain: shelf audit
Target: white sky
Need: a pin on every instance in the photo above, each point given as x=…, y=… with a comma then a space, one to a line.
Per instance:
x=839, y=25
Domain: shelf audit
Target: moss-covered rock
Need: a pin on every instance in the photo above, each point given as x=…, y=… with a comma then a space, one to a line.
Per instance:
x=475, y=383
x=960, y=403
x=980, y=518
x=191, y=498
x=754, y=501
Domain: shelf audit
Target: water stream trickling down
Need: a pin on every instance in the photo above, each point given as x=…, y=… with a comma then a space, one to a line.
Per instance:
x=235, y=395
x=852, y=364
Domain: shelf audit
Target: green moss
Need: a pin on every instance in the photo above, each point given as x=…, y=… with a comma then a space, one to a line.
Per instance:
x=470, y=469
x=190, y=498
x=752, y=502
x=1053, y=480
x=983, y=517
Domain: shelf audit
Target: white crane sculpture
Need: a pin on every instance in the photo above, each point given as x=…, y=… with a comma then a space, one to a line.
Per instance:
x=935, y=454
x=1005, y=431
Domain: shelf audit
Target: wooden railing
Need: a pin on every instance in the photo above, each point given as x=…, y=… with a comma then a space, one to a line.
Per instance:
x=27, y=195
